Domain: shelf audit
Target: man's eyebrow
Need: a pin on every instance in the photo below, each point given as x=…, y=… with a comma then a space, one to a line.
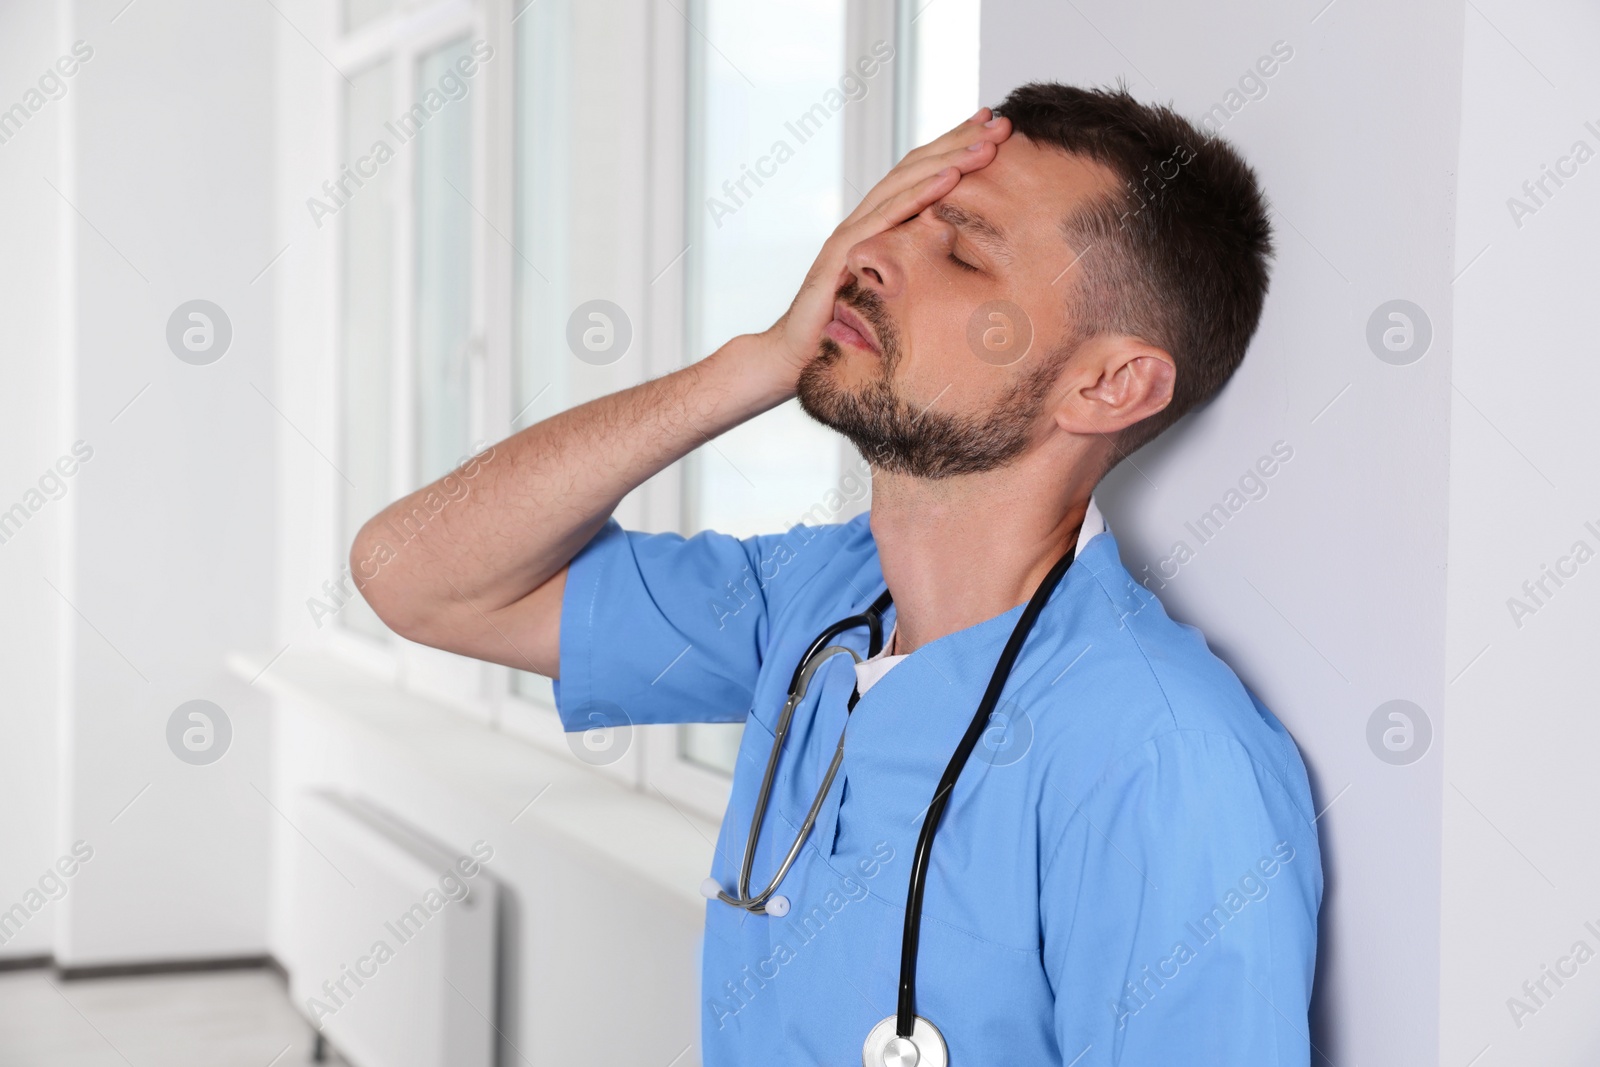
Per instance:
x=983, y=233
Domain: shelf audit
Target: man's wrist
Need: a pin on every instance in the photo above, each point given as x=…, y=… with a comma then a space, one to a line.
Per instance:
x=757, y=370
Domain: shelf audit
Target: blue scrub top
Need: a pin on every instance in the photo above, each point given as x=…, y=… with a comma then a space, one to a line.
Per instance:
x=1127, y=872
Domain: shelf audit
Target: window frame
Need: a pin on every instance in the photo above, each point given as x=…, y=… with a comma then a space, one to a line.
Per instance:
x=403, y=38
x=484, y=692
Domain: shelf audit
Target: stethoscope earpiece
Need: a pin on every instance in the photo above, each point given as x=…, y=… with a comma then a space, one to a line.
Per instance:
x=776, y=905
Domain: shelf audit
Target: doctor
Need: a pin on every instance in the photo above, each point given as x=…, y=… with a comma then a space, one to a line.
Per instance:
x=1008, y=811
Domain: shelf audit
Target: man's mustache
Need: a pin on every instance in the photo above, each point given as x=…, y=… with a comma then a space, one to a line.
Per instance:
x=870, y=306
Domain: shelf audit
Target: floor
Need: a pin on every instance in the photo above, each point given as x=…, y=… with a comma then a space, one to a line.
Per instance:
x=215, y=1019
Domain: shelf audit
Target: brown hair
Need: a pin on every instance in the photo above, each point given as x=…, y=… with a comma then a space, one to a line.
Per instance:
x=1176, y=255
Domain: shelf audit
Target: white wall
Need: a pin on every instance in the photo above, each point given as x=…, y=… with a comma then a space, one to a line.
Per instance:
x=1327, y=595
x=169, y=558
x=32, y=437
x=1520, y=869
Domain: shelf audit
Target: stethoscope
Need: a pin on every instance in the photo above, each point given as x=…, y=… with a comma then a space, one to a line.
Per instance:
x=904, y=1039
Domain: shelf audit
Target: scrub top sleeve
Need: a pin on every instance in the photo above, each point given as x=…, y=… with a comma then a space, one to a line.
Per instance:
x=657, y=628
x=1179, y=912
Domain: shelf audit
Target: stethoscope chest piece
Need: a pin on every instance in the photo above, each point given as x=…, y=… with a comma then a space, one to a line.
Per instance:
x=885, y=1048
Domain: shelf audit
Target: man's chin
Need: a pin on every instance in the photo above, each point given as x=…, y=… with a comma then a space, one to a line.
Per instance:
x=897, y=437
x=847, y=368
x=822, y=387
x=818, y=387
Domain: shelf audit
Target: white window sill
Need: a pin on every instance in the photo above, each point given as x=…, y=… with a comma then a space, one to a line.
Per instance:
x=645, y=836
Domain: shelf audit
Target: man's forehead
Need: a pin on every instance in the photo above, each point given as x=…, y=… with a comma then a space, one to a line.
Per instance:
x=1025, y=192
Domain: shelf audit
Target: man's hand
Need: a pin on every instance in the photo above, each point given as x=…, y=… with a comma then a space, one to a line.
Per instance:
x=920, y=179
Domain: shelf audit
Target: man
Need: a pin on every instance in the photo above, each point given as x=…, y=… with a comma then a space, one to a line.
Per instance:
x=1126, y=871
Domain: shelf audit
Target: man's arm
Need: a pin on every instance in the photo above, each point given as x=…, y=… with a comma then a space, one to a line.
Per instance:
x=484, y=576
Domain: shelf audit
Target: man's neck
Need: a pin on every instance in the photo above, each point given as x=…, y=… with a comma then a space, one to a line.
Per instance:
x=958, y=551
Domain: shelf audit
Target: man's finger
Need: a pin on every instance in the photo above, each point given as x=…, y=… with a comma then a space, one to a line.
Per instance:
x=965, y=160
x=933, y=157
x=902, y=205
x=961, y=134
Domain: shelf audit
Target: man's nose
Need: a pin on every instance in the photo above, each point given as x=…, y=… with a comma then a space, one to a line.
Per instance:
x=875, y=262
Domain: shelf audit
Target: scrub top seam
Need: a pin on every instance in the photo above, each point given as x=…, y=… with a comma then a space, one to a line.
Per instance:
x=1154, y=676
x=1277, y=1038
x=1172, y=715
x=1129, y=754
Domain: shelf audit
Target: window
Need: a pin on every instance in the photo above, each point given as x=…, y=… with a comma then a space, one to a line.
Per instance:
x=367, y=335
x=752, y=238
x=411, y=373
x=449, y=362
x=758, y=215
x=939, y=74
x=539, y=380
x=540, y=364
x=573, y=163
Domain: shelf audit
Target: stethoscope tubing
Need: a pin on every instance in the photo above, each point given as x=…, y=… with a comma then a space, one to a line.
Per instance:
x=758, y=902
x=872, y=618
x=907, y=1010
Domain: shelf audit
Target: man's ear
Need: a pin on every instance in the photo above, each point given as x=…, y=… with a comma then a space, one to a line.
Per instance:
x=1116, y=381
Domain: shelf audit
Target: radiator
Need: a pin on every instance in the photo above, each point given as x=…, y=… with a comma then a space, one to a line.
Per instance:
x=389, y=945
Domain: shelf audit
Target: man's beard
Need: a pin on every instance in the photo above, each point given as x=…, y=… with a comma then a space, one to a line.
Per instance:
x=897, y=436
